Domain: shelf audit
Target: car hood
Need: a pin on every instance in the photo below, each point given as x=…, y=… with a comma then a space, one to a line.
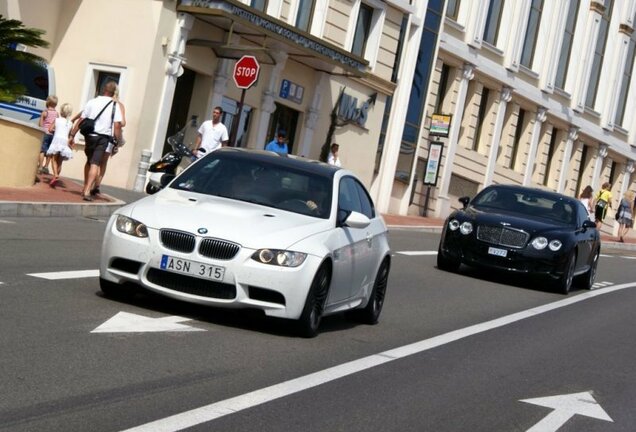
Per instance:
x=514, y=220
x=250, y=225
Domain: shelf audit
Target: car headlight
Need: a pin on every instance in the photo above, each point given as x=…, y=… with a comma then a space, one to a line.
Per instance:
x=539, y=243
x=466, y=228
x=453, y=225
x=555, y=245
x=283, y=258
x=130, y=226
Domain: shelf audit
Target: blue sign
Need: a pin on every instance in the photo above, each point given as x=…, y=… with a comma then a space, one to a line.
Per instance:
x=284, y=89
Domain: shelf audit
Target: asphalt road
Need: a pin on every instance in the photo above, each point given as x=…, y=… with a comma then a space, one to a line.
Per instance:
x=453, y=352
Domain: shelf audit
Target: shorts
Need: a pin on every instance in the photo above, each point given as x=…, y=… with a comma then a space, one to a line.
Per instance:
x=600, y=212
x=46, y=143
x=95, y=148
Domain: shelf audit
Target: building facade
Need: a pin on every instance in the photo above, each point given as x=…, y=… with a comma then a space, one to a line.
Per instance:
x=539, y=93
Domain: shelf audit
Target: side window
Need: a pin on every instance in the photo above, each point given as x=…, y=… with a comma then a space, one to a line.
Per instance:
x=365, y=202
x=348, y=196
x=582, y=214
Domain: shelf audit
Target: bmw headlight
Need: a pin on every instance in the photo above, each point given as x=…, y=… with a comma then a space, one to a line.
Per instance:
x=283, y=258
x=466, y=228
x=539, y=243
x=555, y=245
x=453, y=225
x=130, y=226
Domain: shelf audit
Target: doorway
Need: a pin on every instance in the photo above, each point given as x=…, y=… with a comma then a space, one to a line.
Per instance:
x=180, y=105
x=286, y=119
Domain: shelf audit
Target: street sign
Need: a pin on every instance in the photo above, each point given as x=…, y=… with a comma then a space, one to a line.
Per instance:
x=246, y=71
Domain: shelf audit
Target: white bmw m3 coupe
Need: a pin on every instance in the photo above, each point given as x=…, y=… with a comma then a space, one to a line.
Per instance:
x=297, y=239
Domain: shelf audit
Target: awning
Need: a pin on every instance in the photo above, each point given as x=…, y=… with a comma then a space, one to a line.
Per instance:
x=264, y=35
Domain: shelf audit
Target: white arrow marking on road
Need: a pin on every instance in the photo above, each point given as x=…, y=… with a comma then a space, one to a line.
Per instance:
x=565, y=407
x=66, y=274
x=417, y=253
x=125, y=322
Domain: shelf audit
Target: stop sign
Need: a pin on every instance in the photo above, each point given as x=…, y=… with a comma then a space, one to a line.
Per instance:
x=246, y=71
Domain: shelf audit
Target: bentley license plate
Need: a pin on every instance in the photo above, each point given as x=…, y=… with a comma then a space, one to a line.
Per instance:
x=497, y=252
x=192, y=268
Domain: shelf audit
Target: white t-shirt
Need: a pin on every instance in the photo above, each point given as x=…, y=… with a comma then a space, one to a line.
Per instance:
x=212, y=135
x=103, y=124
x=332, y=160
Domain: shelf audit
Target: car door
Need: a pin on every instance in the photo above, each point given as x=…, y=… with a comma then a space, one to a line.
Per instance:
x=584, y=237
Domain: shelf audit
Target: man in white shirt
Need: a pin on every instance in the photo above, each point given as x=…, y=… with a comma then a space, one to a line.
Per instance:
x=333, y=155
x=107, y=131
x=212, y=134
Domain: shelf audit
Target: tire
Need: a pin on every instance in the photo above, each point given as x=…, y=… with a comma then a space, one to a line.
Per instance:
x=309, y=321
x=445, y=263
x=371, y=312
x=151, y=189
x=111, y=289
x=565, y=281
x=586, y=280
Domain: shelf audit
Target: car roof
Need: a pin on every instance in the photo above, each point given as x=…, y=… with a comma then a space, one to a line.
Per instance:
x=522, y=189
x=288, y=161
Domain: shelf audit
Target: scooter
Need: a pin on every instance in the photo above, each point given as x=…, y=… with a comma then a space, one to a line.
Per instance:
x=172, y=162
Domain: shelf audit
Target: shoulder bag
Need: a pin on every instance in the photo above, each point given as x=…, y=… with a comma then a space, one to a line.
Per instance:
x=87, y=126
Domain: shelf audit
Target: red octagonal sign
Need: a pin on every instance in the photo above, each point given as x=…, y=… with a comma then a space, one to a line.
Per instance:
x=246, y=71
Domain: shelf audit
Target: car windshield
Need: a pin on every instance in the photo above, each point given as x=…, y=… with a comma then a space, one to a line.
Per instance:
x=260, y=182
x=527, y=203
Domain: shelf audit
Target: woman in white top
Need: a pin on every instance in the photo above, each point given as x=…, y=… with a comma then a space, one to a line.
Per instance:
x=59, y=149
x=586, y=199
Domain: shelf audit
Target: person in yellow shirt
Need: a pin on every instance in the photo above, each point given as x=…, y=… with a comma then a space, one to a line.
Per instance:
x=603, y=201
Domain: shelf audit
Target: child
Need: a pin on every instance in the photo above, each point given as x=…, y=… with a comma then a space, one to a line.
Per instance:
x=47, y=118
x=59, y=149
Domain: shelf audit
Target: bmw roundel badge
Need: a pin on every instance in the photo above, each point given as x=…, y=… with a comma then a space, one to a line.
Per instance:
x=202, y=231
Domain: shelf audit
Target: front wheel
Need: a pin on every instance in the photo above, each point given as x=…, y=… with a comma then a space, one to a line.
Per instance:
x=311, y=316
x=151, y=189
x=371, y=313
x=586, y=280
x=565, y=281
x=111, y=289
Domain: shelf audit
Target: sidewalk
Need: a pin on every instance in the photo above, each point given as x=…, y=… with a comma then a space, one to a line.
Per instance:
x=65, y=200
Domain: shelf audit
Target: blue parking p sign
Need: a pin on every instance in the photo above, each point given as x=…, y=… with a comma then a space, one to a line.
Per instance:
x=284, y=89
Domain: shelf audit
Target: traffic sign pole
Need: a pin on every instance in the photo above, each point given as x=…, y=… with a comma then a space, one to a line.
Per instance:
x=237, y=119
x=245, y=75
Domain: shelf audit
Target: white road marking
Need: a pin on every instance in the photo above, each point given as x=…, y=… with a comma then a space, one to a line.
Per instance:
x=6, y=221
x=565, y=407
x=416, y=253
x=125, y=322
x=629, y=257
x=66, y=274
x=233, y=405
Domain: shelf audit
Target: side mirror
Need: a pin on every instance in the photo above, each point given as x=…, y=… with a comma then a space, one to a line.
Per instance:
x=166, y=179
x=357, y=220
x=588, y=224
x=464, y=200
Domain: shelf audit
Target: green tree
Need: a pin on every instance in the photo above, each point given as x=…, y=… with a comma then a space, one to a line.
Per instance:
x=12, y=33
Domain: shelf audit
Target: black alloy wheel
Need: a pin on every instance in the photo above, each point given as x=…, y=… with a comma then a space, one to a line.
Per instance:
x=311, y=316
x=565, y=281
x=586, y=280
x=371, y=313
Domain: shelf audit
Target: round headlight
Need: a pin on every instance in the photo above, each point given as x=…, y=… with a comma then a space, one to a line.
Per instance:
x=539, y=243
x=555, y=245
x=266, y=256
x=466, y=228
x=453, y=225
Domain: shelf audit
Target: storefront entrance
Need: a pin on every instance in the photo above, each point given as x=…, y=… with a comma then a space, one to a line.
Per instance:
x=286, y=119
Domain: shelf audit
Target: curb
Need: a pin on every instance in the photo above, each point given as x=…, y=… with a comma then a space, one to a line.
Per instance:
x=50, y=209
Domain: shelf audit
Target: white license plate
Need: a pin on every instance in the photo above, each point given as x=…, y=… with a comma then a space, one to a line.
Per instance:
x=192, y=268
x=497, y=252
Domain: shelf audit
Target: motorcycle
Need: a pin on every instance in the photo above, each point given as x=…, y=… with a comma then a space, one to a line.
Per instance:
x=172, y=162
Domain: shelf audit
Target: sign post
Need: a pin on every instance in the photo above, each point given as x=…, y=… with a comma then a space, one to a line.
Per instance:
x=440, y=127
x=245, y=75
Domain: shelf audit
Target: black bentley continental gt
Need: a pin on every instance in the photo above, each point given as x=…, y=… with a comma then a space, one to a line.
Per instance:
x=523, y=230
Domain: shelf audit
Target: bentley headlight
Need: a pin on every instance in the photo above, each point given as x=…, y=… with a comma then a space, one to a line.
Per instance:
x=278, y=257
x=555, y=245
x=466, y=228
x=539, y=243
x=130, y=226
x=453, y=225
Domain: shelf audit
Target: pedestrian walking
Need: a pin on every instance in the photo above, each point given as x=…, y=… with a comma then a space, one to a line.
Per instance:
x=47, y=118
x=602, y=201
x=60, y=148
x=586, y=199
x=212, y=134
x=107, y=118
x=278, y=144
x=625, y=215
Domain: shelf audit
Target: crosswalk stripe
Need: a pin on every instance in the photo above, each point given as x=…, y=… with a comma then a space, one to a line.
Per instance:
x=77, y=274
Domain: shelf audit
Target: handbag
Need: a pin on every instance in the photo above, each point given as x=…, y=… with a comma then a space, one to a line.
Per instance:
x=87, y=126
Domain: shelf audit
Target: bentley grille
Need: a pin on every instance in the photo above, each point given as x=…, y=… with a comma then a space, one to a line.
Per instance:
x=218, y=249
x=502, y=236
x=177, y=240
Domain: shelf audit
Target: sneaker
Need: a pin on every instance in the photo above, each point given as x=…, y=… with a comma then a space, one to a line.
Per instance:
x=95, y=191
x=87, y=198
